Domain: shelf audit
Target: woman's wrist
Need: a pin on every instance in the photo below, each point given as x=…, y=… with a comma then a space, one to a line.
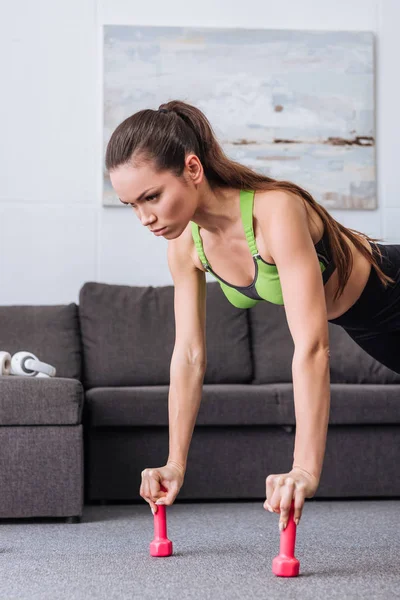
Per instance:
x=177, y=464
x=305, y=471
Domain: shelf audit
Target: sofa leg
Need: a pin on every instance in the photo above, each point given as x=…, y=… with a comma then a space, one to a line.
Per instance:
x=72, y=519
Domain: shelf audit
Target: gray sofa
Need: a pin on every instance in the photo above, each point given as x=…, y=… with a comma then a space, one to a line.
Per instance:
x=84, y=436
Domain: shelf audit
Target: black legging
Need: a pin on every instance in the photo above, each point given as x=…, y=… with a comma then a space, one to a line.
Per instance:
x=373, y=322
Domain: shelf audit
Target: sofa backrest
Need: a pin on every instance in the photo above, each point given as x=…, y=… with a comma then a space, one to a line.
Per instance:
x=128, y=336
x=51, y=332
x=272, y=349
x=124, y=336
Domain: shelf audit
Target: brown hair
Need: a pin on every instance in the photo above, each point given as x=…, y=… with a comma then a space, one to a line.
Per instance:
x=165, y=139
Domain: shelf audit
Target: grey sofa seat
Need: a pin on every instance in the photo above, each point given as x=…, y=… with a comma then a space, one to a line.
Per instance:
x=242, y=405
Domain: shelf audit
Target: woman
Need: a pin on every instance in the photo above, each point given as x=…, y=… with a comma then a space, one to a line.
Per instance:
x=263, y=240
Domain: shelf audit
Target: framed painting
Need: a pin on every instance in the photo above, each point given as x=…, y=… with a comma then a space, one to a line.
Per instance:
x=293, y=105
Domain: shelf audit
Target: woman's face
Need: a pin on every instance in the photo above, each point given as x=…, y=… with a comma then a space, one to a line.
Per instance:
x=167, y=201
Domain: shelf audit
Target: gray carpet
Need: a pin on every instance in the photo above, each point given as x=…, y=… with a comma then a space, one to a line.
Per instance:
x=347, y=549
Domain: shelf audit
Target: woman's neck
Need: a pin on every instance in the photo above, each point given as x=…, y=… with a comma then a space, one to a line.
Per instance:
x=218, y=211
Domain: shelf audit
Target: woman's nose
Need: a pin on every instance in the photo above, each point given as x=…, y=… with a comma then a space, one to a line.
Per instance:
x=146, y=220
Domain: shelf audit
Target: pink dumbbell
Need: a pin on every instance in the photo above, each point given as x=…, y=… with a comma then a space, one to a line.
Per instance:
x=286, y=564
x=161, y=545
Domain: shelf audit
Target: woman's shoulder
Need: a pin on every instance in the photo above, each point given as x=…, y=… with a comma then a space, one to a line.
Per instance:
x=267, y=203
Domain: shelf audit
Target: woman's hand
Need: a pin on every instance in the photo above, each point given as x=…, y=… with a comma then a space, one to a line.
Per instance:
x=170, y=476
x=298, y=484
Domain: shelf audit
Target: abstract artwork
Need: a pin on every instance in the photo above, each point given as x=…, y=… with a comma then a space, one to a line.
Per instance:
x=293, y=105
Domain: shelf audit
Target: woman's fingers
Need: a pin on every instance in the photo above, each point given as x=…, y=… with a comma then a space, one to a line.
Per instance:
x=161, y=485
x=270, y=485
x=155, y=490
x=286, y=492
x=275, y=500
x=299, y=500
x=146, y=492
x=149, y=489
x=282, y=490
x=169, y=496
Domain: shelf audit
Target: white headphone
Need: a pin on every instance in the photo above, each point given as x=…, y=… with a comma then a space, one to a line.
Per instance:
x=26, y=364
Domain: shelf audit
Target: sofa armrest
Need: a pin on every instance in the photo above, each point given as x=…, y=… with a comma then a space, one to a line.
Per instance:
x=40, y=401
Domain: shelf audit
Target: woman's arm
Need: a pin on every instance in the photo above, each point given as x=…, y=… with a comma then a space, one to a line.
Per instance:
x=291, y=246
x=186, y=384
x=311, y=388
x=189, y=357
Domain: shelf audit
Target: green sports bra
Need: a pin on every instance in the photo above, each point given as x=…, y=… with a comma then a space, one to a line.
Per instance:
x=266, y=285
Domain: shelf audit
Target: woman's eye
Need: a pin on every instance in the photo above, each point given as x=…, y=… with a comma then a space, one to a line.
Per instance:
x=150, y=198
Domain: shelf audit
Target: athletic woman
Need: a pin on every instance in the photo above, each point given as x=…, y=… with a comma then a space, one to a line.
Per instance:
x=263, y=240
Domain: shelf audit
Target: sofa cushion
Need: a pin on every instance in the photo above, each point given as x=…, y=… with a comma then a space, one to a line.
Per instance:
x=273, y=348
x=241, y=405
x=351, y=364
x=128, y=336
x=50, y=332
x=40, y=401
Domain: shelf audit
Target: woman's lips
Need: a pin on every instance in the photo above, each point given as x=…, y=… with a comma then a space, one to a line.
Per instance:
x=159, y=231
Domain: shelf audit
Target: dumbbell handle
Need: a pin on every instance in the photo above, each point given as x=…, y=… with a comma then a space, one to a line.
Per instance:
x=286, y=564
x=160, y=520
x=288, y=535
x=161, y=545
x=160, y=523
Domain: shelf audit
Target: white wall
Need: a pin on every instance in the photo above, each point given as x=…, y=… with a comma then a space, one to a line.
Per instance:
x=54, y=232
